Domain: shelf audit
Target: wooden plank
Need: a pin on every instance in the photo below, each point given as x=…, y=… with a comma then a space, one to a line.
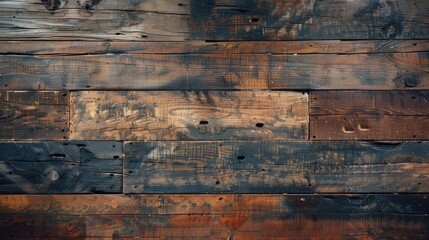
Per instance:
x=125, y=71
x=202, y=47
x=357, y=71
x=188, y=115
x=397, y=103
x=34, y=115
x=215, y=216
x=216, y=71
x=370, y=115
x=134, y=20
x=276, y=167
x=369, y=127
x=60, y=167
x=303, y=20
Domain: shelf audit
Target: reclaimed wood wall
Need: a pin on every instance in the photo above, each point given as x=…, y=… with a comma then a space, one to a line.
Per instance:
x=214, y=119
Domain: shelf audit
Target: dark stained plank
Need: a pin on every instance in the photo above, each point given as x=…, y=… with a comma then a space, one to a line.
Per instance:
x=369, y=115
x=60, y=167
x=397, y=103
x=188, y=115
x=201, y=47
x=215, y=216
x=41, y=115
x=135, y=20
x=131, y=71
x=276, y=167
x=217, y=71
x=357, y=71
x=312, y=19
x=369, y=127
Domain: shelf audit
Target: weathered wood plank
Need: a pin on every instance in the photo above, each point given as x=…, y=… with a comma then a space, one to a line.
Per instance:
x=276, y=167
x=188, y=115
x=369, y=127
x=201, y=47
x=215, y=216
x=302, y=20
x=34, y=115
x=218, y=71
x=140, y=20
x=125, y=71
x=358, y=71
x=369, y=115
x=397, y=103
x=60, y=167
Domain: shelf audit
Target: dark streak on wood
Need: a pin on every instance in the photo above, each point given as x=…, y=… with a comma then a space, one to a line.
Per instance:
x=275, y=167
x=41, y=115
x=304, y=20
x=215, y=216
x=60, y=167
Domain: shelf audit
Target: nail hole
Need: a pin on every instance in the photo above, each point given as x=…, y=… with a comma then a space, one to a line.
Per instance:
x=414, y=136
x=116, y=157
x=144, y=36
x=240, y=157
x=113, y=146
x=203, y=122
x=135, y=186
x=217, y=182
x=314, y=136
x=259, y=125
x=413, y=97
x=254, y=20
x=414, y=44
x=130, y=171
x=220, y=199
x=263, y=169
x=111, y=174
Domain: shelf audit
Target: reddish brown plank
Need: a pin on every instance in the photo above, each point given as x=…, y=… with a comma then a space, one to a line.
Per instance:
x=369, y=115
x=41, y=115
x=215, y=216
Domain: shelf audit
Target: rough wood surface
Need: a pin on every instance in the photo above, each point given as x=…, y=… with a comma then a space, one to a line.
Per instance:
x=312, y=19
x=357, y=71
x=188, y=115
x=215, y=216
x=60, y=167
x=369, y=115
x=135, y=20
x=201, y=47
x=218, y=71
x=41, y=115
x=276, y=167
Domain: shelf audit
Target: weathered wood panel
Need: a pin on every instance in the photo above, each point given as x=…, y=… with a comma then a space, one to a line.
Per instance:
x=397, y=103
x=302, y=20
x=369, y=127
x=60, y=167
x=188, y=115
x=218, y=71
x=215, y=216
x=357, y=71
x=125, y=71
x=369, y=115
x=34, y=115
x=140, y=20
x=201, y=47
x=276, y=167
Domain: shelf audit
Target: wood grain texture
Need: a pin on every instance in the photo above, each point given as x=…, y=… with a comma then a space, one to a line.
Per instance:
x=215, y=216
x=215, y=71
x=303, y=20
x=129, y=71
x=60, y=167
x=388, y=71
x=396, y=103
x=369, y=115
x=276, y=167
x=140, y=20
x=202, y=47
x=188, y=115
x=41, y=115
